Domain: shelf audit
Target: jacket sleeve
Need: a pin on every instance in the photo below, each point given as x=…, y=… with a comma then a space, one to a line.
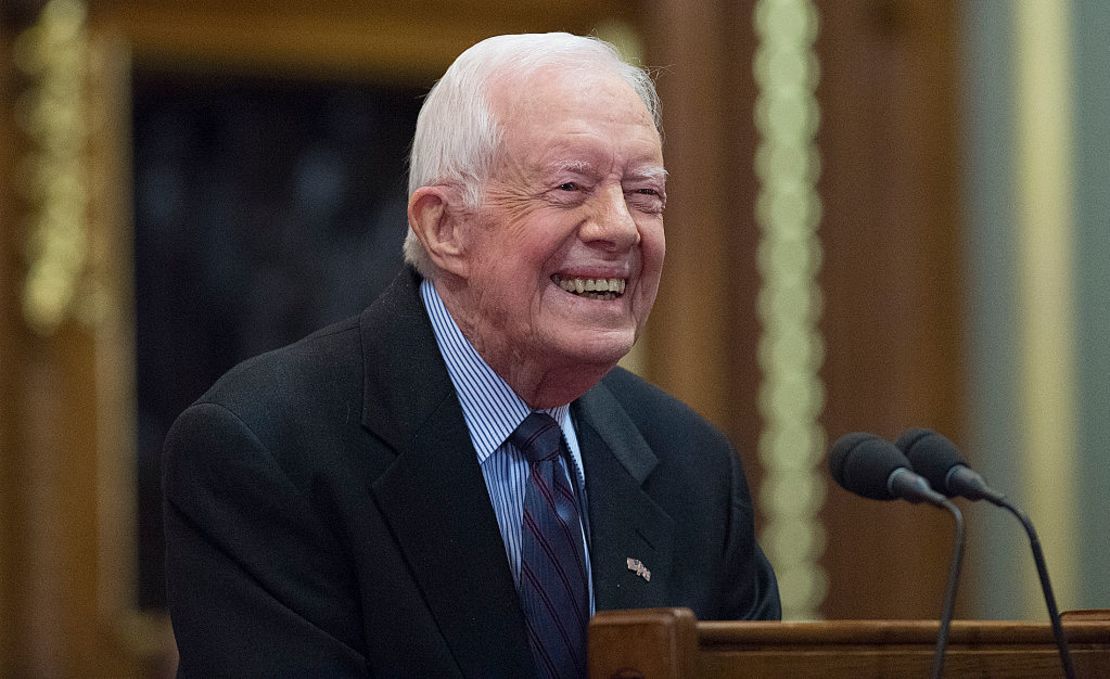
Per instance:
x=258, y=584
x=752, y=591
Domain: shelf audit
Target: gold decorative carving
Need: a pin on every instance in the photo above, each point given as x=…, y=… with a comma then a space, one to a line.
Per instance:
x=791, y=350
x=52, y=54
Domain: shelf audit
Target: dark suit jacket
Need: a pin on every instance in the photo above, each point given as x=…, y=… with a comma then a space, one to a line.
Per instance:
x=326, y=516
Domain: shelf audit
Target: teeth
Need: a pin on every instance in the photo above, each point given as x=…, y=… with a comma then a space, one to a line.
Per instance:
x=604, y=286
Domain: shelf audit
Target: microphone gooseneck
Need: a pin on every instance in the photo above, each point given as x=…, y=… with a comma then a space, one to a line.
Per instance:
x=939, y=461
x=954, y=567
x=874, y=468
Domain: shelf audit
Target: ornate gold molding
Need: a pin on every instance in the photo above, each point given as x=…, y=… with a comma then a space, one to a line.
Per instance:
x=791, y=350
x=52, y=55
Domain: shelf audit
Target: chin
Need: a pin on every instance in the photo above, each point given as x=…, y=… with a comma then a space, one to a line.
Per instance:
x=601, y=351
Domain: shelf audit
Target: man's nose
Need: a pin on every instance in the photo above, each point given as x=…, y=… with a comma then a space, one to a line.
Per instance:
x=611, y=222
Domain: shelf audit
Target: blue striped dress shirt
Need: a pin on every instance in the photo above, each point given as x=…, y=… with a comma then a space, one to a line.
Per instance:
x=492, y=411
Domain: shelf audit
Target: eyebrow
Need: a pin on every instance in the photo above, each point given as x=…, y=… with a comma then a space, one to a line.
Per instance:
x=576, y=166
x=656, y=172
x=650, y=172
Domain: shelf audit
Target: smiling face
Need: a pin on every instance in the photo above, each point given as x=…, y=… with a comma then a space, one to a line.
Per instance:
x=563, y=256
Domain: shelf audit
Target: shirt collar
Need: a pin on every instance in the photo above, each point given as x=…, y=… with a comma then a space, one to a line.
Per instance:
x=491, y=409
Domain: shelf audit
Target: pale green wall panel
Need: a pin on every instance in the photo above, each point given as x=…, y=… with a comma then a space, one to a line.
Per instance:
x=993, y=433
x=1092, y=127
x=998, y=549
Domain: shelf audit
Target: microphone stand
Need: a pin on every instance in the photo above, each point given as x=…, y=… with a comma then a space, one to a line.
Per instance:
x=1046, y=585
x=950, y=593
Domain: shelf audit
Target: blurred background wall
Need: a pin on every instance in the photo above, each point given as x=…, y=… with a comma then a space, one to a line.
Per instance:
x=883, y=214
x=1037, y=235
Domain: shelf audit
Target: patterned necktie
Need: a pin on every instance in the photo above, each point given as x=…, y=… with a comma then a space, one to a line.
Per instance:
x=553, y=587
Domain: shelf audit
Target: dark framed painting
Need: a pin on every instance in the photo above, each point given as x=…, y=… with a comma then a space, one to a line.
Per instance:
x=264, y=209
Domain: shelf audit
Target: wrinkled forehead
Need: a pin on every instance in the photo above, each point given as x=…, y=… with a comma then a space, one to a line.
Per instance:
x=559, y=88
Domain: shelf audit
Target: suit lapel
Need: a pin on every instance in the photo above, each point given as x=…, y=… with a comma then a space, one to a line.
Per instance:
x=625, y=523
x=433, y=495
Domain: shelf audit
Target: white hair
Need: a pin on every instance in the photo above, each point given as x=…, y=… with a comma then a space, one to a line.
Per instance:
x=457, y=133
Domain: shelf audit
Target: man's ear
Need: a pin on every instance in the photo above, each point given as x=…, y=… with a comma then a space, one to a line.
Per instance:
x=437, y=218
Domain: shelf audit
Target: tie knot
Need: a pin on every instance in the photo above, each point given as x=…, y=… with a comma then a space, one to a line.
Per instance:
x=538, y=437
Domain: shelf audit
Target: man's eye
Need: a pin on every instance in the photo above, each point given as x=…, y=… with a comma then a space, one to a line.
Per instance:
x=647, y=192
x=569, y=186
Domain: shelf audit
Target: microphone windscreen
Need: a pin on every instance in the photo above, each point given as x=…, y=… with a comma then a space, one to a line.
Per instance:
x=932, y=456
x=862, y=464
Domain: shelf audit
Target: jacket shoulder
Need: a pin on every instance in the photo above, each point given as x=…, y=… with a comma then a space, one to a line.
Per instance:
x=662, y=418
x=321, y=373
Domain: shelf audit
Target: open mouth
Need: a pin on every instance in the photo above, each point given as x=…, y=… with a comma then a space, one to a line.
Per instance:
x=593, y=288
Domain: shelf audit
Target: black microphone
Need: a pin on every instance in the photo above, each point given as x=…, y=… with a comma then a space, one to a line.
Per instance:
x=938, y=460
x=867, y=465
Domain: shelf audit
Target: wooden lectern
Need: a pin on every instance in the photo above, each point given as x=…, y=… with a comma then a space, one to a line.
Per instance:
x=669, y=643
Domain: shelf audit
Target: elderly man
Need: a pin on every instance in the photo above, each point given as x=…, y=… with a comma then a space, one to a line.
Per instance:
x=450, y=483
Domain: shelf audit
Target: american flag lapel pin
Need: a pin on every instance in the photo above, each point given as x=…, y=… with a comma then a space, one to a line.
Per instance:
x=638, y=567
